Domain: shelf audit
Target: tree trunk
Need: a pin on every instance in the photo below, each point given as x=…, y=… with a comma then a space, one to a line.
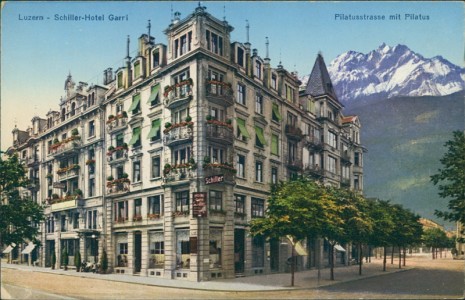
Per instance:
x=400, y=258
x=292, y=266
x=331, y=261
x=392, y=255
x=384, y=259
x=361, y=259
x=369, y=254
x=405, y=255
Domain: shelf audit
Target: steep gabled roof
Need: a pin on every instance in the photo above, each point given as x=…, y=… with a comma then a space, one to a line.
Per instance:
x=319, y=83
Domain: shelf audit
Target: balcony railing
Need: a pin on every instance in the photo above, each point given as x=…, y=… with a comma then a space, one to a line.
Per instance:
x=178, y=94
x=293, y=132
x=64, y=173
x=220, y=132
x=32, y=160
x=33, y=184
x=117, y=155
x=67, y=148
x=226, y=169
x=117, y=122
x=67, y=202
x=219, y=92
x=178, y=133
x=295, y=164
x=345, y=158
x=314, y=170
x=118, y=186
x=313, y=142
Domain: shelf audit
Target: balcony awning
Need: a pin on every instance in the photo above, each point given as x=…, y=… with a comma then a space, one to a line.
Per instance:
x=261, y=137
x=242, y=128
x=276, y=111
x=9, y=248
x=156, y=124
x=339, y=248
x=135, y=102
x=28, y=248
x=154, y=93
x=135, y=136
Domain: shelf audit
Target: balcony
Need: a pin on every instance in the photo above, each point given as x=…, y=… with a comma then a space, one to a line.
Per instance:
x=118, y=154
x=345, y=182
x=219, y=92
x=69, y=172
x=175, y=173
x=178, y=94
x=67, y=147
x=345, y=158
x=33, y=184
x=293, y=132
x=313, y=142
x=118, y=122
x=178, y=133
x=119, y=186
x=32, y=161
x=294, y=164
x=67, y=202
x=220, y=132
x=226, y=169
x=314, y=170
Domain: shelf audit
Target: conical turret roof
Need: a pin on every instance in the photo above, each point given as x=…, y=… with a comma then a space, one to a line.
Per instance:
x=319, y=83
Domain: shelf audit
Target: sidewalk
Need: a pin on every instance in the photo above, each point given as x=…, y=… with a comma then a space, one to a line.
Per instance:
x=303, y=280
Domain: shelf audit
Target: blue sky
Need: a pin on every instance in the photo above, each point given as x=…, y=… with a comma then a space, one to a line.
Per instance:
x=37, y=56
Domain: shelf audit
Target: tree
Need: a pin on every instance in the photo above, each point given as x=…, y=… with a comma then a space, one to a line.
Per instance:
x=65, y=259
x=54, y=260
x=296, y=209
x=451, y=179
x=77, y=261
x=19, y=216
x=436, y=238
x=104, y=262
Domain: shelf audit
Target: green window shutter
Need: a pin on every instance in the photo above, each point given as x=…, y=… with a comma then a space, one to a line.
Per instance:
x=135, y=102
x=276, y=112
x=136, y=69
x=261, y=137
x=274, y=144
x=154, y=93
x=242, y=127
x=135, y=136
x=156, y=124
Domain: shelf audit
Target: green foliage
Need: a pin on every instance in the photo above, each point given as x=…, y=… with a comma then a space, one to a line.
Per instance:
x=451, y=179
x=383, y=227
x=436, y=238
x=104, y=262
x=54, y=259
x=19, y=215
x=65, y=258
x=77, y=261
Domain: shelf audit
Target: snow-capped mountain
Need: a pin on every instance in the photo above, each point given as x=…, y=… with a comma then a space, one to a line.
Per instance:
x=393, y=71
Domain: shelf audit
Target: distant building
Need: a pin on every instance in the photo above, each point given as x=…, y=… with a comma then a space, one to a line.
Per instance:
x=165, y=163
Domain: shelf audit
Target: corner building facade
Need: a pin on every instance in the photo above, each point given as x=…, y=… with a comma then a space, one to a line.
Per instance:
x=187, y=138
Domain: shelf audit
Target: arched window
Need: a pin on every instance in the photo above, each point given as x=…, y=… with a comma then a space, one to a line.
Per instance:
x=73, y=108
x=63, y=112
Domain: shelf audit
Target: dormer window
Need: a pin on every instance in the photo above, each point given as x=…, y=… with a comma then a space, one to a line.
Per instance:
x=156, y=58
x=63, y=113
x=119, y=77
x=137, y=69
x=183, y=44
x=214, y=43
x=240, y=57
x=258, y=69
x=290, y=93
x=274, y=81
x=73, y=109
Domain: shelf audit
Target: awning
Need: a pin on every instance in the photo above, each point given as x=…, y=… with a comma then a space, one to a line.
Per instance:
x=276, y=111
x=261, y=137
x=135, y=102
x=28, y=248
x=339, y=248
x=9, y=248
x=155, y=128
x=299, y=248
x=242, y=128
x=274, y=144
x=154, y=93
x=135, y=136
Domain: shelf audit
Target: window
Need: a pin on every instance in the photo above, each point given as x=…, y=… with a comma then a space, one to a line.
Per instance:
x=76, y=220
x=156, y=167
x=291, y=119
x=182, y=45
x=156, y=58
x=49, y=147
x=215, y=246
x=292, y=152
x=214, y=43
x=240, y=57
x=274, y=81
x=274, y=144
x=331, y=164
x=155, y=205
x=135, y=140
x=123, y=248
x=157, y=251
x=91, y=189
x=215, y=89
x=217, y=155
x=179, y=115
x=154, y=98
x=135, y=104
x=184, y=89
x=332, y=139
x=290, y=93
x=137, y=208
x=137, y=69
x=357, y=160
x=119, y=80
x=356, y=182
x=258, y=69
x=275, y=115
x=258, y=207
x=259, y=137
x=181, y=156
x=240, y=94
x=182, y=201
x=155, y=131
x=91, y=128
x=136, y=171
x=239, y=203
x=182, y=249
x=258, y=252
x=240, y=166
x=73, y=109
x=242, y=132
x=216, y=200
x=217, y=113
x=92, y=219
x=121, y=211
x=258, y=171
x=274, y=175
x=258, y=104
